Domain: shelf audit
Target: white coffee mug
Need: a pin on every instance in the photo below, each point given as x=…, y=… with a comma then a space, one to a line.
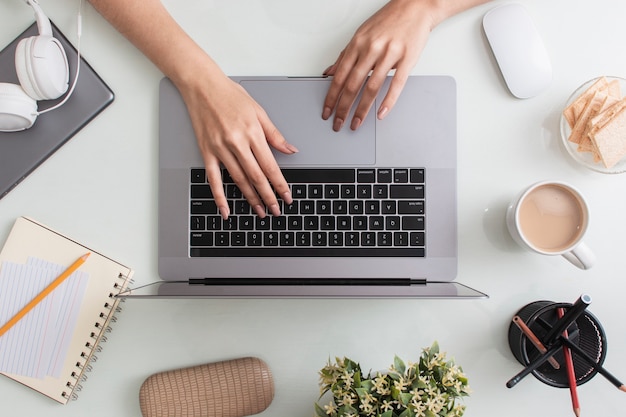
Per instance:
x=551, y=218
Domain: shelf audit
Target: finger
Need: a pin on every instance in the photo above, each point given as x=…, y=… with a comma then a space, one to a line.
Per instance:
x=214, y=176
x=258, y=181
x=351, y=88
x=369, y=93
x=237, y=172
x=267, y=160
x=341, y=72
x=393, y=92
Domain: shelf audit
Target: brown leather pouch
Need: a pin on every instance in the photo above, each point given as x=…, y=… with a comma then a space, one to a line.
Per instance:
x=234, y=388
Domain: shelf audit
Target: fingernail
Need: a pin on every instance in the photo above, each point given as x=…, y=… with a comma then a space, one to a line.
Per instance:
x=326, y=70
x=356, y=122
x=337, y=124
x=326, y=113
x=275, y=210
x=224, y=211
x=382, y=112
x=259, y=210
x=287, y=198
x=292, y=148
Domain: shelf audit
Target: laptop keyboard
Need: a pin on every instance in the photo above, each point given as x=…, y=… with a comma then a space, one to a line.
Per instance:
x=335, y=212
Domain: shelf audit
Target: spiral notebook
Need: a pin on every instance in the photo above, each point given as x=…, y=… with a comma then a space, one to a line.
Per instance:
x=87, y=308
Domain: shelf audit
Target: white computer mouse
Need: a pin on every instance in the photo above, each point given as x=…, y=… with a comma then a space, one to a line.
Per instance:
x=518, y=49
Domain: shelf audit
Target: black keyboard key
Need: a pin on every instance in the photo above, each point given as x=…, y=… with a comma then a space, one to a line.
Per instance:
x=270, y=238
x=319, y=176
x=198, y=223
x=316, y=191
x=241, y=207
x=201, y=239
x=384, y=238
x=417, y=239
x=392, y=223
x=307, y=250
x=359, y=223
x=233, y=192
x=262, y=223
x=400, y=176
x=417, y=176
x=401, y=238
x=238, y=239
x=213, y=223
x=279, y=223
x=376, y=223
x=352, y=239
x=307, y=207
x=364, y=191
x=372, y=207
x=298, y=191
x=331, y=191
x=201, y=191
x=246, y=222
x=254, y=238
x=222, y=239
x=348, y=191
x=368, y=238
x=413, y=223
x=411, y=207
x=319, y=238
x=385, y=175
x=323, y=207
x=230, y=223
x=287, y=238
x=294, y=223
x=311, y=223
x=340, y=207
x=365, y=175
x=203, y=207
x=356, y=207
x=303, y=239
x=291, y=208
x=344, y=222
x=388, y=207
x=327, y=223
x=406, y=191
x=198, y=175
x=335, y=239
x=380, y=191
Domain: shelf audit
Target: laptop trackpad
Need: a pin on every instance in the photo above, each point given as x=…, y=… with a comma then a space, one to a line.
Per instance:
x=295, y=107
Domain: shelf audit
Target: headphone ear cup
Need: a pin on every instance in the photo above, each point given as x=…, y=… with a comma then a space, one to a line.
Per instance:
x=18, y=111
x=42, y=67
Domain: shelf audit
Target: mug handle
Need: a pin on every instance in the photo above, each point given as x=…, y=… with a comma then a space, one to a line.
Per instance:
x=581, y=256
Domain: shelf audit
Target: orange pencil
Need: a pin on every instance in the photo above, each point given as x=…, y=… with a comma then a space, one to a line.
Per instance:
x=571, y=376
x=44, y=293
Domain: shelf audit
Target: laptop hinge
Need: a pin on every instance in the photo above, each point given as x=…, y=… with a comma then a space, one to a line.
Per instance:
x=308, y=281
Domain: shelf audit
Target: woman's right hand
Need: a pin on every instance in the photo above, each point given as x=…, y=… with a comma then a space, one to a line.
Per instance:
x=231, y=128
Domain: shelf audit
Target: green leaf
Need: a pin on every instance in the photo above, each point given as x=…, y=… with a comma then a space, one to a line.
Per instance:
x=361, y=392
x=399, y=364
x=407, y=413
x=405, y=398
x=388, y=413
x=368, y=385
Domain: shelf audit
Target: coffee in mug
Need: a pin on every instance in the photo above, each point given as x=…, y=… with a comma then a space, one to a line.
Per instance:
x=551, y=218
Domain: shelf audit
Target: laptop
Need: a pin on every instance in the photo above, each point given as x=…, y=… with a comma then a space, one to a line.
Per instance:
x=22, y=152
x=374, y=212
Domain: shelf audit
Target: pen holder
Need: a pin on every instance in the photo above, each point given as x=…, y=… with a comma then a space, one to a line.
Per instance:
x=586, y=332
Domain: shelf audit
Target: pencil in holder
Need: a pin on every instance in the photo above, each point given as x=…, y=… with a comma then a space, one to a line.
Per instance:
x=585, y=332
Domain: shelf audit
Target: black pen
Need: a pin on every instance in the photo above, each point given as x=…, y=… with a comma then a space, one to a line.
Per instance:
x=568, y=318
x=534, y=365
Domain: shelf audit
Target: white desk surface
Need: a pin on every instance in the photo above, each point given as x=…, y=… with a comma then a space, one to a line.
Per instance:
x=101, y=188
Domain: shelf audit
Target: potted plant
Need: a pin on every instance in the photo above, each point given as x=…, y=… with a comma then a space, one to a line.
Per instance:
x=431, y=387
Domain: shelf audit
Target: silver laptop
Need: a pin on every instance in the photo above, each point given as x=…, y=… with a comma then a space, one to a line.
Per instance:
x=22, y=152
x=374, y=212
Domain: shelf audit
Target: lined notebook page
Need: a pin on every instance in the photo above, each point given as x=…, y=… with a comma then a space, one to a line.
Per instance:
x=36, y=346
x=77, y=337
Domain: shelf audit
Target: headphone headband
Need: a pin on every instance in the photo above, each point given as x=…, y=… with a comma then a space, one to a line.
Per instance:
x=43, y=23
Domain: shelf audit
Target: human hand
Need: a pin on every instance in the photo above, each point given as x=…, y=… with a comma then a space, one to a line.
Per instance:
x=233, y=129
x=392, y=38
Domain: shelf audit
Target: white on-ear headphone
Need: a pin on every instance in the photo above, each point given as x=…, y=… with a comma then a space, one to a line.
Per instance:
x=43, y=72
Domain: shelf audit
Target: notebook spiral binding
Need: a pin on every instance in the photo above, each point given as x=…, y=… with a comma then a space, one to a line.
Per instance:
x=95, y=340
